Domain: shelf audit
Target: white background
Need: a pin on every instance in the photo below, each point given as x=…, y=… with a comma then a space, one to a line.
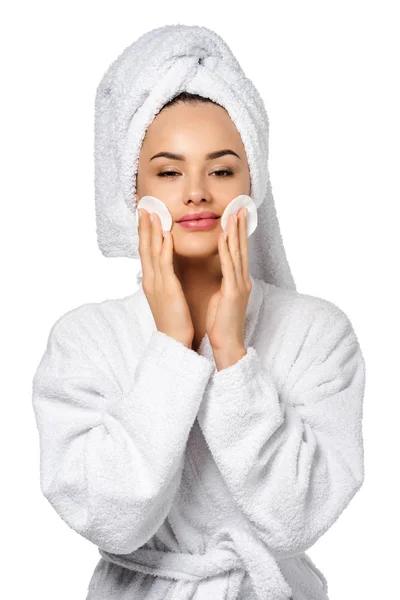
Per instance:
x=329, y=78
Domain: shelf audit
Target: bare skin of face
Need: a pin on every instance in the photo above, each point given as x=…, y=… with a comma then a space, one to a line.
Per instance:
x=194, y=182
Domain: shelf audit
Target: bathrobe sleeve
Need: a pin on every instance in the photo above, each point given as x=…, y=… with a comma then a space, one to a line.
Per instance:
x=290, y=449
x=111, y=462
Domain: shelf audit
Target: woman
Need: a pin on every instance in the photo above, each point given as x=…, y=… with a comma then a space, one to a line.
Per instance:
x=206, y=430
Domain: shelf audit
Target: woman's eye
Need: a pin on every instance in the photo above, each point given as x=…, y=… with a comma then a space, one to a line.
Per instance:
x=227, y=171
x=220, y=173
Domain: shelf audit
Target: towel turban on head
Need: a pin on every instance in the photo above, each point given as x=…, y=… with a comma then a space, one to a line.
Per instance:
x=158, y=66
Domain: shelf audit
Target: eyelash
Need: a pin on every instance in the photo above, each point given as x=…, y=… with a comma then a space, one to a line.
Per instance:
x=167, y=174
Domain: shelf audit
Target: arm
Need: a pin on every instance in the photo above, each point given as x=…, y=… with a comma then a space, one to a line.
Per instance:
x=292, y=457
x=111, y=462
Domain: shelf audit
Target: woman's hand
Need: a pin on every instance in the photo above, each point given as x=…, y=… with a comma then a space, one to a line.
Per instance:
x=227, y=308
x=160, y=283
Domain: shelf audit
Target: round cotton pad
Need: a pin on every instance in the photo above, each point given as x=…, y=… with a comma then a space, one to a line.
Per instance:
x=242, y=201
x=154, y=205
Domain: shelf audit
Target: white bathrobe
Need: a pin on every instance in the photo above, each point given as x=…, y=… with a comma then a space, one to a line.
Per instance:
x=196, y=483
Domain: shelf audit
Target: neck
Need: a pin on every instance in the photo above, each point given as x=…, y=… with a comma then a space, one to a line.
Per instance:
x=199, y=277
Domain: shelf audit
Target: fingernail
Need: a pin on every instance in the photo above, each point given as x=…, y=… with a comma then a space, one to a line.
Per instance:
x=245, y=212
x=139, y=213
x=225, y=235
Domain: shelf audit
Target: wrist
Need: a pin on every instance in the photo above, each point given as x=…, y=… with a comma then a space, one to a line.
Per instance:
x=228, y=357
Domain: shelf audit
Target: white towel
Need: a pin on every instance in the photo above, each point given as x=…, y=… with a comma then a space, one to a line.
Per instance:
x=150, y=72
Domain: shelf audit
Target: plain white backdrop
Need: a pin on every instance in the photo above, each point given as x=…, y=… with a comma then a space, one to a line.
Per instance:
x=329, y=77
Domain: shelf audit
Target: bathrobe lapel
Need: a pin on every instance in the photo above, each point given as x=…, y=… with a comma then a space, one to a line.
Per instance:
x=267, y=578
x=259, y=561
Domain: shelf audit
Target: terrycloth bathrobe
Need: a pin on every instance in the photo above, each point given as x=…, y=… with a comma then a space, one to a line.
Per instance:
x=198, y=484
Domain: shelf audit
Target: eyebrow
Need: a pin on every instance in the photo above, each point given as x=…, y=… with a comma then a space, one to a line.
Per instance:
x=209, y=156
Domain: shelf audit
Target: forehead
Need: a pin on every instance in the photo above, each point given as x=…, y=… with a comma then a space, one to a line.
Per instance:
x=200, y=125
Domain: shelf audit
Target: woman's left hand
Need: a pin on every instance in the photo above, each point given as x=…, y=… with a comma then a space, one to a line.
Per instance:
x=227, y=308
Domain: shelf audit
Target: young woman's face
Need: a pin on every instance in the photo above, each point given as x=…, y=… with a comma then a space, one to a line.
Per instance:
x=193, y=181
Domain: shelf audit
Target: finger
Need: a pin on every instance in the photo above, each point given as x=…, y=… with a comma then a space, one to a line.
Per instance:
x=228, y=270
x=156, y=245
x=166, y=262
x=144, y=247
x=244, y=248
x=234, y=249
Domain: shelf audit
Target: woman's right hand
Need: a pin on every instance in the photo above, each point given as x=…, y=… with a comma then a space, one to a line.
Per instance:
x=161, y=286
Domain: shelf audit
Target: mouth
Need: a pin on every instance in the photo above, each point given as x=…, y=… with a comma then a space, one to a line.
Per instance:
x=202, y=214
x=199, y=224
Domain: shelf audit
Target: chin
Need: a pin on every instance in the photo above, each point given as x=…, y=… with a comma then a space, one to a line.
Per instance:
x=196, y=248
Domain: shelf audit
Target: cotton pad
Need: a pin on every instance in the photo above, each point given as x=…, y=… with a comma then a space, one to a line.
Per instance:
x=242, y=201
x=154, y=205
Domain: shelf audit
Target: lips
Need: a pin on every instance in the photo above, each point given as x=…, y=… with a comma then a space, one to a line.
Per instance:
x=206, y=214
